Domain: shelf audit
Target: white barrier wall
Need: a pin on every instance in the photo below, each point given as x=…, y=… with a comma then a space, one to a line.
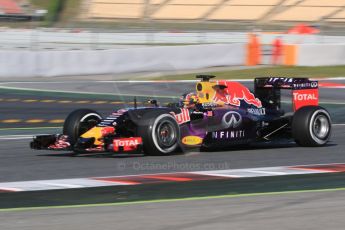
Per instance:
x=63, y=63
x=321, y=54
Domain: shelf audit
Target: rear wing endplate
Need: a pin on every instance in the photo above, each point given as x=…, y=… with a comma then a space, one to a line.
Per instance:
x=304, y=91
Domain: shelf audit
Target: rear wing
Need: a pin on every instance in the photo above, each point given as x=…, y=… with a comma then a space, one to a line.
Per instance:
x=304, y=91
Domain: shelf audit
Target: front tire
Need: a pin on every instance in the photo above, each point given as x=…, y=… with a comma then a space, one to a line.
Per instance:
x=160, y=133
x=311, y=126
x=78, y=122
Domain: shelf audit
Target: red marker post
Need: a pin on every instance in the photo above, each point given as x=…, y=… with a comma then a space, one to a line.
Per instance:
x=277, y=51
x=253, y=56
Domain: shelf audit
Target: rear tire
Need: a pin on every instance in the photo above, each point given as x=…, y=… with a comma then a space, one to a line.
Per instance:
x=160, y=133
x=78, y=122
x=311, y=126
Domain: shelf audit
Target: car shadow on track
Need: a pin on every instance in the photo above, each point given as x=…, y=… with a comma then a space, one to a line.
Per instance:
x=252, y=147
x=91, y=155
x=258, y=146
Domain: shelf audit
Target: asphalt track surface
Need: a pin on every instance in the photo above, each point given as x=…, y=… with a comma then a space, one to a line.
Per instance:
x=18, y=162
x=146, y=89
x=311, y=210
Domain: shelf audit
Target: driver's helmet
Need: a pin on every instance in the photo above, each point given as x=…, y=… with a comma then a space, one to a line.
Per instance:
x=188, y=100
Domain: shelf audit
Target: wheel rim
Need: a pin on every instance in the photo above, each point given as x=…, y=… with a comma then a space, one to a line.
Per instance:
x=87, y=122
x=166, y=134
x=320, y=126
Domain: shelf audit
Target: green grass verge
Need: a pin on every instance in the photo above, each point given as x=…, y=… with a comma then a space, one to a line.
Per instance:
x=58, y=10
x=172, y=200
x=40, y=4
x=281, y=71
x=70, y=12
x=54, y=11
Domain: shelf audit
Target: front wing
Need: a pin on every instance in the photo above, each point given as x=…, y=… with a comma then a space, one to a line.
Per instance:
x=110, y=144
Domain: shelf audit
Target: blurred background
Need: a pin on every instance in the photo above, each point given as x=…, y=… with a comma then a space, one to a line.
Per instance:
x=98, y=37
x=105, y=24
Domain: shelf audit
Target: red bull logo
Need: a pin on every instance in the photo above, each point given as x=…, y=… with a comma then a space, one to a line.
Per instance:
x=107, y=130
x=233, y=93
x=182, y=117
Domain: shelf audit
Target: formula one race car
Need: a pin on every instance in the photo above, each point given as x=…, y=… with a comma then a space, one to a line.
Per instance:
x=220, y=113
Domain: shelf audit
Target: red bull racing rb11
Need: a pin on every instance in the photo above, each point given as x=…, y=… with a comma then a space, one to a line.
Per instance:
x=219, y=113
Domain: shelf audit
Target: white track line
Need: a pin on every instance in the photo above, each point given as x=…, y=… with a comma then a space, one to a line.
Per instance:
x=338, y=124
x=332, y=87
x=332, y=103
x=321, y=102
x=329, y=78
x=88, y=93
x=18, y=137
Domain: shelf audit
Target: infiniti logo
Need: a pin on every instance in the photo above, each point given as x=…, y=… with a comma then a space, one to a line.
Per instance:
x=232, y=119
x=314, y=84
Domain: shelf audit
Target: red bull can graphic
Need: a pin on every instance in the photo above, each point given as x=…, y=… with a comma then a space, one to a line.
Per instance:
x=233, y=92
x=182, y=117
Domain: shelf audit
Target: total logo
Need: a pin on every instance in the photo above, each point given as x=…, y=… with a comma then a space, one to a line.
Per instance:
x=127, y=142
x=304, y=97
x=232, y=119
x=107, y=130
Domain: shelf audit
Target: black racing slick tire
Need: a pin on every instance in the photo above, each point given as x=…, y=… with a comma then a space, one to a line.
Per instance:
x=311, y=126
x=78, y=122
x=160, y=133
